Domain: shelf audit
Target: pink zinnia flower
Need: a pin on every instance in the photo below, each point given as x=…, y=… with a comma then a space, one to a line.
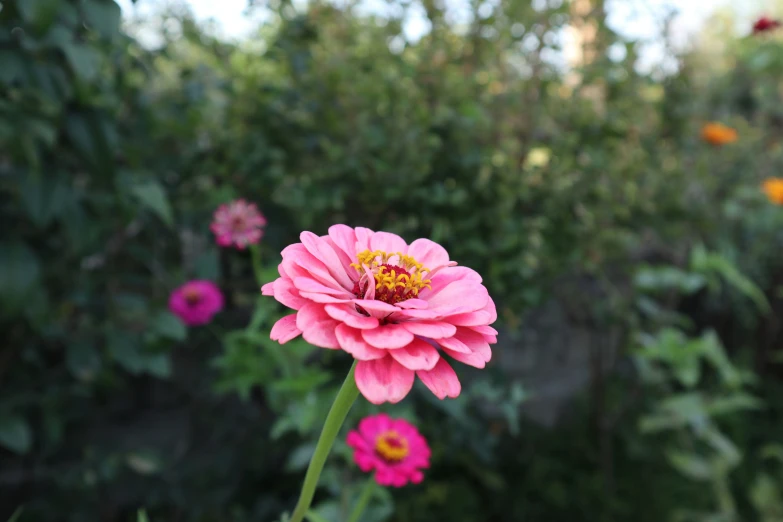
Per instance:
x=392, y=447
x=196, y=302
x=396, y=308
x=765, y=24
x=238, y=223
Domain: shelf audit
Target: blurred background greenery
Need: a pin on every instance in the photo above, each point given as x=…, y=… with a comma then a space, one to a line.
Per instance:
x=637, y=269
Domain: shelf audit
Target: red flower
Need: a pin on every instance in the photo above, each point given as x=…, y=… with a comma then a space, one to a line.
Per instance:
x=765, y=24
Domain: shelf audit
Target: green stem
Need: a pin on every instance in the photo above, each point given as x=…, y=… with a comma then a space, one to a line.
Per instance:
x=334, y=421
x=255, y=256
x=364, y=499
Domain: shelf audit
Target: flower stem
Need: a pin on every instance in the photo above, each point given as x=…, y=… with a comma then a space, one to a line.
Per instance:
x=334, y=421
x=255, y=256
x=364, y=499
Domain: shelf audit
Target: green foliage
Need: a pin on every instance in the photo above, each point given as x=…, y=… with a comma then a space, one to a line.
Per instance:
x=113, y=156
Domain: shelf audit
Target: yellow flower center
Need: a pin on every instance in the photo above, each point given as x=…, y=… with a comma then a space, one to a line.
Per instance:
x=192, y=295
x=397, y=277
x=392, y=446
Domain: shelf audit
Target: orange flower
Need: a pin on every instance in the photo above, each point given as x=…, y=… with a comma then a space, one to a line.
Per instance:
x=718, y=134
x=773, y=188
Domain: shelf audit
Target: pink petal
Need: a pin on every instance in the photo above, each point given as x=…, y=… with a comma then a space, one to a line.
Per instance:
x=268, y=289
x=315, y=268
x=471, y=359
x=345, y=238
x=375, y=308
x=285, y=329
x=441, y=380
x=383, y=380
x=388, y=243
x=357, y=442
x=321, y=250
x=416, y=314
x=428, y=253
x=476, y=342
x=454, y=344
x=448, y=275
x=433, y=330
x=477, y=318
x=484, y=330
x=287, y=294
x=317, y=327
x=308, y=284
x=388, y=336
x=468, y=296
x=363, y=236
x=418, y=355
x=480, y=352
x=351, y=341
x=418, y=304
x=322, y=298
x=347, y=314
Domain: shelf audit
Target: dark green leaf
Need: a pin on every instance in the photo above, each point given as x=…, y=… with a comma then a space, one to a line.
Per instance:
x=168, y=325
x=15, y=434
x=84, y=60
x=19, y=272
x=152, y=195
x=103, y=16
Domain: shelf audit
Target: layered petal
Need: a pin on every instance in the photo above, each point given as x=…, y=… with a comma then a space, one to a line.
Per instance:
x=441, y=380
x=316, y=326
x=285, y=329
x=383, y=380
x=418, y=355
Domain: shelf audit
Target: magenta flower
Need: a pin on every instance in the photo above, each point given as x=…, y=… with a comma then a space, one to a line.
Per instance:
x=196, y=302
x=392, y=447
x=396, y=308
x=765, y=24
x=238, y=223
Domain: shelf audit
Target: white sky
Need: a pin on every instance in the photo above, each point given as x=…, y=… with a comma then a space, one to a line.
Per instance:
x=637, y=19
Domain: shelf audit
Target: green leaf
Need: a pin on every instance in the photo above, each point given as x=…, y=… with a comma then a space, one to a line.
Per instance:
x=143, y=463
x=12, y=67
x=15, y=434
x=16, y=514
x=103, y=16
x=691, y=466
x=141, y=516
x=38, y=13
x=152, y=195
x=83, y=360
x=300, y=457
x=19, y=272
x=84, y=60
x=44, y=199
x=158, y=364
x=168, y=325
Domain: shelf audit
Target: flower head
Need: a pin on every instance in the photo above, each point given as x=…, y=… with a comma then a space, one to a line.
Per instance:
x=718, y=134
x=196, y=302
x=765, y=24
x=396, y=308
x=392, y=447
x=773, y=188
x=238, y=223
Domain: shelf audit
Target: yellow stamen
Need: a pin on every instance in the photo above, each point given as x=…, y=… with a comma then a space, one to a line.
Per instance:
x=391, y=446
x=404, y=283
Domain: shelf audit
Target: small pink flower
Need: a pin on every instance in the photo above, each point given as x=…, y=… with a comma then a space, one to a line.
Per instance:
x=765, y=24
x=392, y=447
x=238, y=223
x=396, y=308
x=196, y=302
